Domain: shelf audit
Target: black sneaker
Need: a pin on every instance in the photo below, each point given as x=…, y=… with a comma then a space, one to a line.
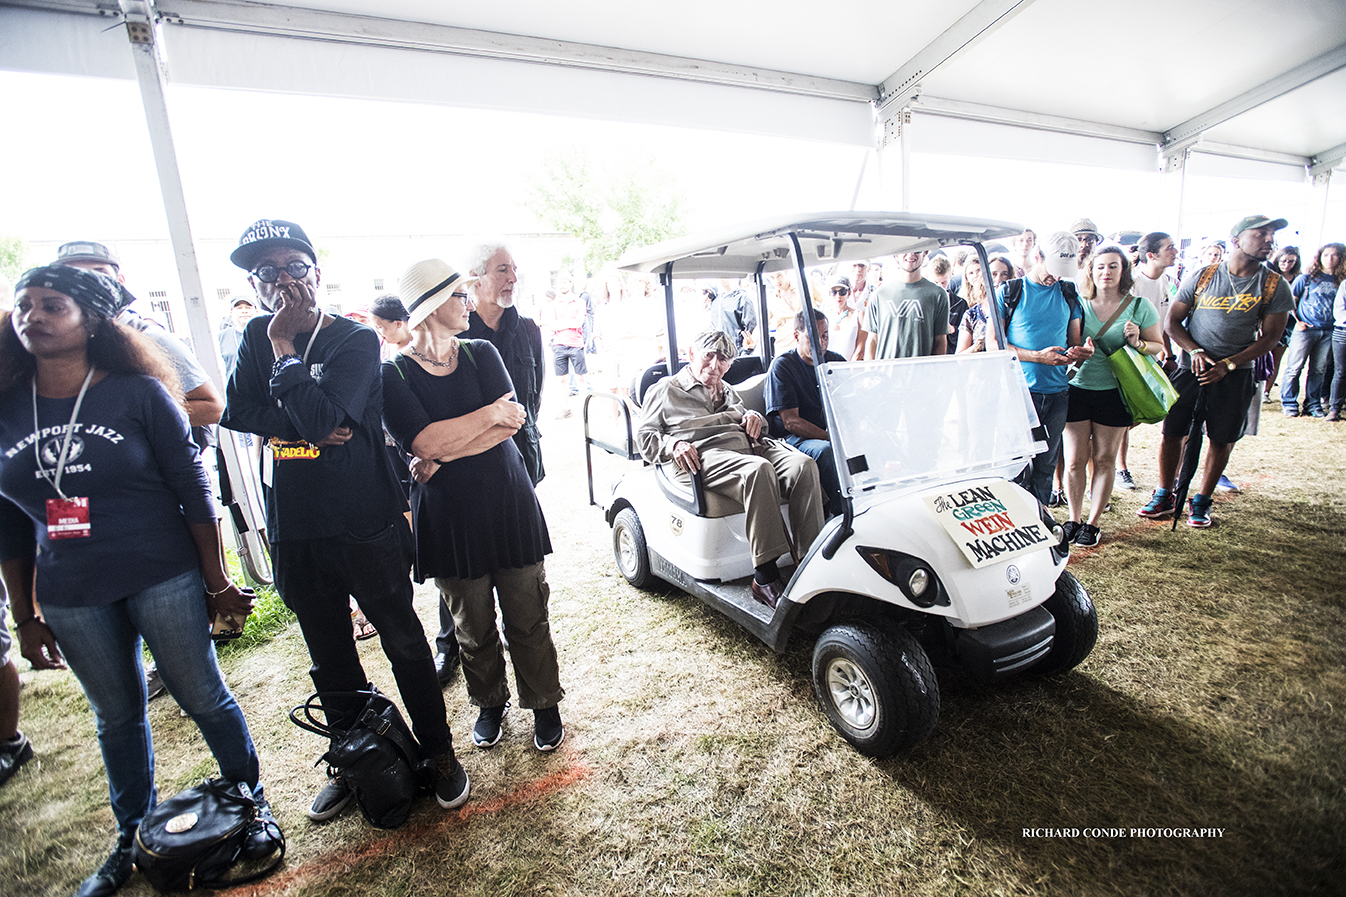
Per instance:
x=486, y=733
x=114, y=872
x=1057, y=499
x=452, y=786
x=14, y=754
x=1071, y=528
x=331, y=800
x=548, y=733
x=264, y=836
x=1087, y=536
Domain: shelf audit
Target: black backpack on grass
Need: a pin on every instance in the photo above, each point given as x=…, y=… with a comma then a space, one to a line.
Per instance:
x=377, y=755
x=193, y=839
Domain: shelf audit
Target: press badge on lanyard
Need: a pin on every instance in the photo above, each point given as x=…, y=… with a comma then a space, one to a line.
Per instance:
x=67, y=516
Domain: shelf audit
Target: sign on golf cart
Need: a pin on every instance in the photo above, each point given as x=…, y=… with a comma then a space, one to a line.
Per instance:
x=937, y=554
x=990, y=523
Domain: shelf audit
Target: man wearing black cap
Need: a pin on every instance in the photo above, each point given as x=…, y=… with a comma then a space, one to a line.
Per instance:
x=1214, y=321
x=309, y=384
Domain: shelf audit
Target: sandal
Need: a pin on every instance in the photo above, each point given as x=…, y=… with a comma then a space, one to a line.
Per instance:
x=363, y=628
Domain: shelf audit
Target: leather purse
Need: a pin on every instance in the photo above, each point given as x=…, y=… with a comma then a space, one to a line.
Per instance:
x=193, y=839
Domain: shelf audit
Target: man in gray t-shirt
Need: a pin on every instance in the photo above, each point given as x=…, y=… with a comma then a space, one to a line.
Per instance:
x=1224, y=317
x=908, y=316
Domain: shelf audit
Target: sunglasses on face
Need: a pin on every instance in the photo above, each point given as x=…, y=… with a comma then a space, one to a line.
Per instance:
x=270, y=273
x=840, y=291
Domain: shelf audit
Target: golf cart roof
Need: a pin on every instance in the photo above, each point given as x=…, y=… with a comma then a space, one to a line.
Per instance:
x=824, y=237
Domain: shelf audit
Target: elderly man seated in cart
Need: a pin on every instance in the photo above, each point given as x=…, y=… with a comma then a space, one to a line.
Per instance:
x=698, y=422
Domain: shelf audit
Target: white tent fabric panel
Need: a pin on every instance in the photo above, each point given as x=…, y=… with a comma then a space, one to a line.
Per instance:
x=1308, y=117
x=259, y=62
x=1210, y=165
x=60, y=44
x=938, y=134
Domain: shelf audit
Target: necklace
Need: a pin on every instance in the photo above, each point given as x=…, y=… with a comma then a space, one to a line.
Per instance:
x=453, y=357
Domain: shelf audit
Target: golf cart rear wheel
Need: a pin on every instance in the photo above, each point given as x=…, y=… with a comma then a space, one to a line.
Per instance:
x=1076, y=627
x=628, y=545
x=876, y=686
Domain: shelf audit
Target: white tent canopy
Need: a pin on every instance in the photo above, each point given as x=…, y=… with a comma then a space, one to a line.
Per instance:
x=1243, y=79
x=1233, y=89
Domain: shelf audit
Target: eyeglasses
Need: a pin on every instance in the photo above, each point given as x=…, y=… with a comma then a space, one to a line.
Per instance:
x=270, y=273
x=840, y=291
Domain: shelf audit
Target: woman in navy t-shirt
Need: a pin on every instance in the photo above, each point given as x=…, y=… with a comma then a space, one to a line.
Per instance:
x=94, y=448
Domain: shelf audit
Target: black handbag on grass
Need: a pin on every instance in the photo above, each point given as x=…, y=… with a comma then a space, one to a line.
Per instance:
x=377, y=756
x=193, y=839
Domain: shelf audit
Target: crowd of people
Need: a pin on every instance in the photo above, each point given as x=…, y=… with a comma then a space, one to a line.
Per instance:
x=109, y=537
x=409, y=449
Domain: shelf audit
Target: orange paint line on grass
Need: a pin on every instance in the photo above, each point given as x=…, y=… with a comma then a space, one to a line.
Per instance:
x=340, y=861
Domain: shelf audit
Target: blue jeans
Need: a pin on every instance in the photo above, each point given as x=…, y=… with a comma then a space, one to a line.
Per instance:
x=102, y=647
x=1338, y=400
x=1311, y=348
x=820, y=450
x=1037, y=476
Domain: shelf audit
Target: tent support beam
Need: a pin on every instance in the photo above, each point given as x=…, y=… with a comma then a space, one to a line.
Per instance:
x=1298, y=76
x=979, y=22
x=1037, y=121
x=311, y=24
x=140, y=29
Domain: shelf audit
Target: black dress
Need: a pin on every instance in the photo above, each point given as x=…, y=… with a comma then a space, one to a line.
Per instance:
x=477, y=514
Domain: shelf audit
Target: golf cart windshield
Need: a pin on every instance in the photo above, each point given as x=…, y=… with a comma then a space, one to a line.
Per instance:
x=894, y=424
x=907, y=422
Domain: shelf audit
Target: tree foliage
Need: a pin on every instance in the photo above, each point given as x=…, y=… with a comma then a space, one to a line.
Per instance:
x=610, y=208
x=13, y=258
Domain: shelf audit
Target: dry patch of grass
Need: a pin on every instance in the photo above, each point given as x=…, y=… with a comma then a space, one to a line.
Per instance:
x=697, y=762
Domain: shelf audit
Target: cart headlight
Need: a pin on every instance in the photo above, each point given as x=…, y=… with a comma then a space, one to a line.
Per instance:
x=918, y=582
x=910, y=574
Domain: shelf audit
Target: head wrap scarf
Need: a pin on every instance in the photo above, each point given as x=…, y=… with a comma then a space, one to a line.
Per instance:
x=96, y=293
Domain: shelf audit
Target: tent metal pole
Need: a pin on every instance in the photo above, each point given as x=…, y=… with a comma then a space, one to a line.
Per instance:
x=140, y=29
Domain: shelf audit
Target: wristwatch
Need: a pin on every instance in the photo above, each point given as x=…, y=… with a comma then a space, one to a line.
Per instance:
x=1229, y=364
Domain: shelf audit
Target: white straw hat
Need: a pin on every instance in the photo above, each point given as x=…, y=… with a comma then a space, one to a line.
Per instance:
x=427, y=285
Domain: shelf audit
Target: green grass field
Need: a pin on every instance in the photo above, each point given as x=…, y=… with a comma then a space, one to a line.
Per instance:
x=1201, y=749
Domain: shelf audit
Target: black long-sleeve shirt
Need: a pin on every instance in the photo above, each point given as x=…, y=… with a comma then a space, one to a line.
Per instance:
x=348, y=488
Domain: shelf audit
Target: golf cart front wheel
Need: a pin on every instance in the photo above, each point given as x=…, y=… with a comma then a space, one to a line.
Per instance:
x=630, y=550
x=876, y=686
x=1076, y=627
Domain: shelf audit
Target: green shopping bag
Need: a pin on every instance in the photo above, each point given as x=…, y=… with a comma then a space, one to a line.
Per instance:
x=1145, y=388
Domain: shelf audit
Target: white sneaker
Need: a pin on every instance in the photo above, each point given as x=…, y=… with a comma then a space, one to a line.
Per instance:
x=1123, y=480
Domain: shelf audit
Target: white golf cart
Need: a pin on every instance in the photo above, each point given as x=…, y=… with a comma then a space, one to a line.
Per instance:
x=937, y=555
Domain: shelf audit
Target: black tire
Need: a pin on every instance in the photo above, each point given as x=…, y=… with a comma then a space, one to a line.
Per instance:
x=876, y=686
x=1076, y=627
x=630, y=550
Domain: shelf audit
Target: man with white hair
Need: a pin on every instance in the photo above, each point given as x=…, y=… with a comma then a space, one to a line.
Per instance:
x=517, y=338
x=696, y=421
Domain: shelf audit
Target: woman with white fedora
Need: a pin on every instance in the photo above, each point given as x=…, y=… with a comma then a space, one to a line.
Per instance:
x=479, y=527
